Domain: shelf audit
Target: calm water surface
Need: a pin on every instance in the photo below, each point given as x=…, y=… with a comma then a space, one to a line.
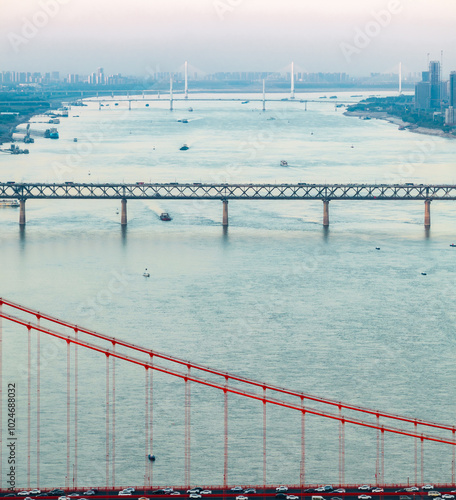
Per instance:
x=276, y=298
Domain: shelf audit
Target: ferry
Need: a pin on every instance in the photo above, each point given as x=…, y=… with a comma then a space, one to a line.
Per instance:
x=53, y=133
x=9, y=203
x=165, y=216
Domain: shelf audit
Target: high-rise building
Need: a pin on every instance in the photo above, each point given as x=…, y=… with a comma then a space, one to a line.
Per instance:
x=452, y=90
x=434, y=78
x=423, y=96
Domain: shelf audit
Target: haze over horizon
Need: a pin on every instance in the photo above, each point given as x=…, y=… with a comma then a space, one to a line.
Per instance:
x=140, y=36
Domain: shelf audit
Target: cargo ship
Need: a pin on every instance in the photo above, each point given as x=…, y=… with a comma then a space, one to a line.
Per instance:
x=9, y=203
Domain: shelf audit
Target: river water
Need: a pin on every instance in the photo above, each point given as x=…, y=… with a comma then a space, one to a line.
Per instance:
x=276, y=297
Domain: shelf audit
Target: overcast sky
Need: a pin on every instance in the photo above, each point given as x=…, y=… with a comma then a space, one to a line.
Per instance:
x=132, y=36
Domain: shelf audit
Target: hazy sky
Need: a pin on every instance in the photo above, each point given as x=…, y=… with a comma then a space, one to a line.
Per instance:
x=130, y=36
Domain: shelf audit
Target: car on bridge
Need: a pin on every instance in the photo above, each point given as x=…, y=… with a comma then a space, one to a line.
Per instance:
x=281, y=489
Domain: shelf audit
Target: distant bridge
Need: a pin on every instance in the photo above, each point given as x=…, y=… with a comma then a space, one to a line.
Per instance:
x=226, y=192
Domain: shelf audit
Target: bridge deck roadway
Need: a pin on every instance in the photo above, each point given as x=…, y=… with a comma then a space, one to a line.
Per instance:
x=191, y=191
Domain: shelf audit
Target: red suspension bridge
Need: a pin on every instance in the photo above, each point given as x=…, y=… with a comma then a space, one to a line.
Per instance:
x=77, y=339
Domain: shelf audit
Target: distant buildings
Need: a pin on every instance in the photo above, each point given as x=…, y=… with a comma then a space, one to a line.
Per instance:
x=450, y=115
x=434, y=96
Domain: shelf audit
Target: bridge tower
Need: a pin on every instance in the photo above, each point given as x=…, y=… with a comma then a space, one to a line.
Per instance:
x=264, y=95
x=292, y=95
x=186, y=80
x=171, y=93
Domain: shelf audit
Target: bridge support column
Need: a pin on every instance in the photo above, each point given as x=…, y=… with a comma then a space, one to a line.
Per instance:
x=22, y=212
x=225, y=213
x=427, y=213
x=325, y=213
x=123, y=216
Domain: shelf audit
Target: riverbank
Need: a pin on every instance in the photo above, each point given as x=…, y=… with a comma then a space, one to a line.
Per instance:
x=20, y=112
x=383, y=115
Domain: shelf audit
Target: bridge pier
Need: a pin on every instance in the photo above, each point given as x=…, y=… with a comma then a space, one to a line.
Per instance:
x=123, y=216
x=225, y=213
x=325, y=213
x=427, y=213
x=22, y=212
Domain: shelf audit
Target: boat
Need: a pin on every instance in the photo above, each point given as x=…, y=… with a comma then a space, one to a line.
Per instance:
x=190, y=109
x=151, y=457
x=165, y=216
x=245, y=102
x=75, y=139
x=9, y=203
x=284, y=163
x=377, y=248
x=184, y=147
x=183, y=120
x=453, y=245
x=333, y=97
x=423, y=274
x=146, y=273
x=53, y=133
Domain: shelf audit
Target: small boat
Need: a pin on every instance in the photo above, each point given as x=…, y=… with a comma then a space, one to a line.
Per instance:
x=245, y=102
x=151, y=457
x=284, y=163
x=190, y=110
x=165, y=217
x=147, y=105
x=53, y=133
x=453, y=245
x=423, y=274
x=377, y=248
x=9, y=203
x=75, y=139
x=184, y=147
x=333, y=97
x=146, y=274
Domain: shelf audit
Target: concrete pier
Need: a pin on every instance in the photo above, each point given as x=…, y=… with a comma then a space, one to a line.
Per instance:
x=123, y=216
x=22, y=212
x=325, y=213
x=427, y=213
x=225, y=213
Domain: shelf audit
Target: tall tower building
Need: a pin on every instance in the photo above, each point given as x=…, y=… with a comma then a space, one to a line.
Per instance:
x=453, y=89
x=434, y=78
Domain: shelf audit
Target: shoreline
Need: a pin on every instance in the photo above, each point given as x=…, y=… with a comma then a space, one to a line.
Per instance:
x=7, y=129
x=410, y=127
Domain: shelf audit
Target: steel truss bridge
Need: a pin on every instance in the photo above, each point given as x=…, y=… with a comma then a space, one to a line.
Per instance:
x=227, y=192
x=78, y=344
